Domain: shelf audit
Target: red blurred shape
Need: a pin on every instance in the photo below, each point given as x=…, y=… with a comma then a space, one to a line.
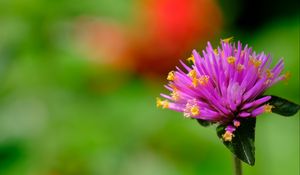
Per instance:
x=162, y=32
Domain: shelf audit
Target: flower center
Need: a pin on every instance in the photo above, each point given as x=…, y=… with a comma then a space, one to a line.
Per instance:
x=194, y=110
x=191, y=109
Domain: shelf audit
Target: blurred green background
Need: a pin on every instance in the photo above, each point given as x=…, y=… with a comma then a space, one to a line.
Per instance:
x=61, y=113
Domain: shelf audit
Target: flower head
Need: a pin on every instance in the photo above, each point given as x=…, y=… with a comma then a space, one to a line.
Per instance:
x=223, y=85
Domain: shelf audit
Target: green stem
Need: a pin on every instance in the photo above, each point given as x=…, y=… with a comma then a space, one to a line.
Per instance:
x=237, y=166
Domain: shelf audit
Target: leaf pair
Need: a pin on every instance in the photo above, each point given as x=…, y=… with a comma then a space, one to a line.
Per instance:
x=242, y=144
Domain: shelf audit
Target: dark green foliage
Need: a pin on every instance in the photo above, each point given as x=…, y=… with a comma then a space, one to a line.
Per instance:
x=242, y=144
x=204, y=123
x=283, y=106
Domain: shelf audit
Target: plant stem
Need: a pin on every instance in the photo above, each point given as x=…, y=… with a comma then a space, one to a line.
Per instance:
x=237, y=166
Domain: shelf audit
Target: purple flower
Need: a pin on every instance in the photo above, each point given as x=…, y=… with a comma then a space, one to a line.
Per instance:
x=222, y=85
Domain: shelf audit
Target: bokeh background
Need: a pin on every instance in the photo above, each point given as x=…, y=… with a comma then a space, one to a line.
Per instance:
x=78, y=81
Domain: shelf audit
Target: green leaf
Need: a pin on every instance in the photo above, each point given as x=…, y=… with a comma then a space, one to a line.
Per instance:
x=283, y=106
x=242, y=144
x=204, y=122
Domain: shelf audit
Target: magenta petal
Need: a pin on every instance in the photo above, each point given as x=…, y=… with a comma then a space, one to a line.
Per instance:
x=244, y=114
x=228, y=81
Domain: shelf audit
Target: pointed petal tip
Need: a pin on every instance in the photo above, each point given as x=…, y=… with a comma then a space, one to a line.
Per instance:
x=194, y=52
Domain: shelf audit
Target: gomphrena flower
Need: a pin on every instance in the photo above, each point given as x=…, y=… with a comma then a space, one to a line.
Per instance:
x=223, y=85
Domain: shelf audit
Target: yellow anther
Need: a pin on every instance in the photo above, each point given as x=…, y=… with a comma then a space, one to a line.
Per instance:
x=195, y=82
x=227, y=136
x=287, y=76
x=203, y=80
x=268, y=108
x=216, y=51
x=240, y=67
x=162, y=103
x=158, y=102
x=227, y=40
x=171, y=76
x=269, y=73
x=191, y=59
x=255, y=62
x=231, y=59
x=192, y=73
x=175, y=95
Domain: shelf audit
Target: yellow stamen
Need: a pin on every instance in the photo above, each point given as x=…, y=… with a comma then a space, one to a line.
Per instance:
x=192, y=73
x=195, y=110
x=240, y=67
x=175, y=95
x=162, y=103
x=191, y=59
x=227, y=136
x=268, y=108
x=203, y=80
x=255, y=62
x=231, y=59
x=269, y=73
x=171, y=76
x=227, y=40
